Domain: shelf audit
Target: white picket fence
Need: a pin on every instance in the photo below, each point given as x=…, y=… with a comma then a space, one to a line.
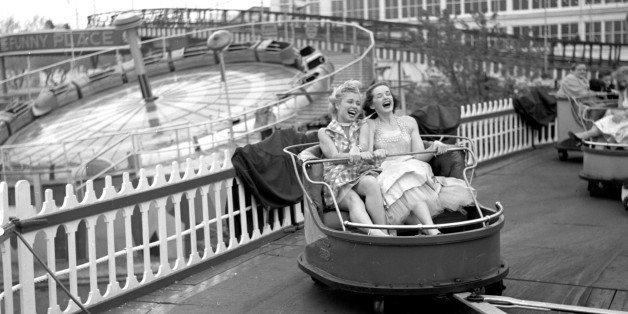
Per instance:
x=115, y=265
x=497, y=130
x=168, y=242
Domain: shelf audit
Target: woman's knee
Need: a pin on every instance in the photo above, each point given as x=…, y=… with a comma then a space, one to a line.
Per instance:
x=352, y=201
x=369, y=186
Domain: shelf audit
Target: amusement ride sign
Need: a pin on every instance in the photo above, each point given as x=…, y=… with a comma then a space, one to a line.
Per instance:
x=60, y=41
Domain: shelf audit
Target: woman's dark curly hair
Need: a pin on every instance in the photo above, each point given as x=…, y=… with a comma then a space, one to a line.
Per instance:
x=368, y=101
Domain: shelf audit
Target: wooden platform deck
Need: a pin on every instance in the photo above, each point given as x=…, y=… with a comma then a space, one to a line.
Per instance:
x=562, y=246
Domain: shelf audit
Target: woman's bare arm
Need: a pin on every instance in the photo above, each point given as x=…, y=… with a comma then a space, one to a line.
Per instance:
x=327, y=145
x=366, y=142
x=417, y=142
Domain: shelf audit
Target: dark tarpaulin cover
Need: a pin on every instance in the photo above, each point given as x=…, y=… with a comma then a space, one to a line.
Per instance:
x=443, y=120
x=536, y=107
x=436, y=119
x=267, y=172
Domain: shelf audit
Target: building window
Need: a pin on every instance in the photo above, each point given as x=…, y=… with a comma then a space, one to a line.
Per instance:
x=453, y=7
x=521, y=31
x=498, y=5
x=592, y=2
x=593, y=31
x=545, y=31
x=540, y=4
x=616, y=32
x=432, y=7
x=569, y=31
x=519, y=4
x=392, y=9
x=336, y=8
x=314, y=8
x=569, y=3
x=373, y=9
x=410, y=8
x=355, y=9
x=474, y=6
x=284, y=6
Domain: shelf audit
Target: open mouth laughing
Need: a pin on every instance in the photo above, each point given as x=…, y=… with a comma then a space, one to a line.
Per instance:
x=387, y=104
x=352, y=113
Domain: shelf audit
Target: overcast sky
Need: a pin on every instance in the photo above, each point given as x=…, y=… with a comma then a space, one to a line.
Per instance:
x=71, y=11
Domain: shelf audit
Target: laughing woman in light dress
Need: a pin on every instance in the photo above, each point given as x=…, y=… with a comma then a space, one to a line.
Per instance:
x=350, y=181
x=411, y=191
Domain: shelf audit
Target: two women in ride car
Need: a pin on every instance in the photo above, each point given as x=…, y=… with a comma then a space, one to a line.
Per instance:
x=413, y=194
x=350, y=181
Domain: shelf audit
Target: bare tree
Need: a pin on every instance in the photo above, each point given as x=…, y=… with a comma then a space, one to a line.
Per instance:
x=461, y=55
x=11, y=26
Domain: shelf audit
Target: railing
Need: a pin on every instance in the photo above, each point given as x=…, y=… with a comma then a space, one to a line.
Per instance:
x=118, y=242
x=187, y=139
x=497, y=130
x=185, y=218
x=397, y=37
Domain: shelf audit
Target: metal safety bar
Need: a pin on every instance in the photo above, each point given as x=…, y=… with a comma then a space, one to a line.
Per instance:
x=499, y=212
x=13, y=228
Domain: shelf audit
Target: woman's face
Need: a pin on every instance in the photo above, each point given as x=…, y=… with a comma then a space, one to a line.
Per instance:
x=622, y=81
x=382, y=100
x=349, y=108
x=581, y=71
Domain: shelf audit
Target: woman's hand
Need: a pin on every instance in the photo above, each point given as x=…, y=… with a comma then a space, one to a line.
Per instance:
x=439, y=147
x=354, y=155
x=366, y=156
x=379, y=154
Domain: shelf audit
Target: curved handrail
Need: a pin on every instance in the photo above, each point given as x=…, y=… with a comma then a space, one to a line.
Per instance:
x=483, y=220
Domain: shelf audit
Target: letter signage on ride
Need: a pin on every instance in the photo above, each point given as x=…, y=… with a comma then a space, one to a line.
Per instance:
x=55, y=41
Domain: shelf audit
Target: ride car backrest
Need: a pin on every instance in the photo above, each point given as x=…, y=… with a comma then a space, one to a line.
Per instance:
x=315, y=171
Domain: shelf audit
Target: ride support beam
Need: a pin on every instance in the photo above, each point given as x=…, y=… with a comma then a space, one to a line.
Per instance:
x=130, y=25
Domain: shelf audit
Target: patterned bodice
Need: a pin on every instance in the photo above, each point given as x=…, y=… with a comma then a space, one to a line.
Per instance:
x=395, y=141
x=343, y=143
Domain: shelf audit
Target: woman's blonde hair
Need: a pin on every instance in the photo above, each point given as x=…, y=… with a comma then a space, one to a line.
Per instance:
x=350, y=86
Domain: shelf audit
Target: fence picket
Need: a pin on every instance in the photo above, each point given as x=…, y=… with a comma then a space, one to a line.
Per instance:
x=244, y=233
x=191, y=196
x=113, y=288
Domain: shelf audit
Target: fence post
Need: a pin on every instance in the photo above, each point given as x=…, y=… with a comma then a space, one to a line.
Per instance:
x=26, y=271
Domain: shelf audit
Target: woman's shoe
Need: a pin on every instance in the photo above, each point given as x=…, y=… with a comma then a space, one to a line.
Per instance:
x=377, y=232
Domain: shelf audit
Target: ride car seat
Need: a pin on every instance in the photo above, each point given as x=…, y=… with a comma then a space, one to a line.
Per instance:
x=326, y=212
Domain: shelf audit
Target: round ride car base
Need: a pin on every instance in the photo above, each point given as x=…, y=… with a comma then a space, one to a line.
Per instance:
x=319, y=277
x=606, y=170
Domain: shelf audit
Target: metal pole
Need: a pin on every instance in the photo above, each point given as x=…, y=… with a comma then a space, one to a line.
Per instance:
x=3, y=74
x=292, y=23
x=545, y=48
x=223, y=78
x=399, y=91
x=50, y=272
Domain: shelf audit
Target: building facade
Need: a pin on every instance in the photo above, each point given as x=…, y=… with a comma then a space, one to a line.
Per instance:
x=586, y=20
